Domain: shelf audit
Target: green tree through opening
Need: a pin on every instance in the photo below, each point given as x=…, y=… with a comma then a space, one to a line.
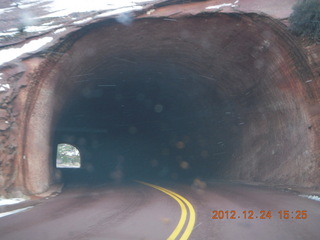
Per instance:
x=68, y=156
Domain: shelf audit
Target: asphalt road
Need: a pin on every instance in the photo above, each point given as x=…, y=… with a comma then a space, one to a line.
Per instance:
x=142, y=212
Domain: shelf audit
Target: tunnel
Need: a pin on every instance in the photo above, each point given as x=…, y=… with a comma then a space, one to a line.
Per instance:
x=211, y=96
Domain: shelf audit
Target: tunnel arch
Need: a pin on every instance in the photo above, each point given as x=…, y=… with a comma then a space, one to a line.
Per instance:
x=247, y=64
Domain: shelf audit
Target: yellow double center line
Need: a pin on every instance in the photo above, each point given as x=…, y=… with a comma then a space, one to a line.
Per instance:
x=184, y=205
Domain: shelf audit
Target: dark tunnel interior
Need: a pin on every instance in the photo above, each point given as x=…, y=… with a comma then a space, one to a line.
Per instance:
x=146, y=121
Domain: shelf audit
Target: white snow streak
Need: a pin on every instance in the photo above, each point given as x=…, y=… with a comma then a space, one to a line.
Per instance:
x=41, y=28
x=220, y=6
x=312, y=197
x=235, y=4
x=119, y=11
x=59, y=30
x=63, y=8
x=4, y=87
x=7, y=55
x=14, y=212
x=83, y=20
x=5, y=10
x=10, y=201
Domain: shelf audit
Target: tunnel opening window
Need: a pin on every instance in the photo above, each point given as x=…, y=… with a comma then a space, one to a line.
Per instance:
x=68, y=156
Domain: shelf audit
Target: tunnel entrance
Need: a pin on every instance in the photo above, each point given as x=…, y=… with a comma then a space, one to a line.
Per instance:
x=213, y=96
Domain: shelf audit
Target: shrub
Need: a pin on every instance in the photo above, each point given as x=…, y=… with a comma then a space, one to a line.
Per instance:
x=305, y=19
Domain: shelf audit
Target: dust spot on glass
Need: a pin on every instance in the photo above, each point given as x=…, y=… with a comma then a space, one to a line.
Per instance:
x=199, y=185
x=125, y=18
x=180, y=145
x=184, y=165
x=158, y=108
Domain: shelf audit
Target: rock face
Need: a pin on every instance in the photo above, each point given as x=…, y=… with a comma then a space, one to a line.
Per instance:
x=223, y=95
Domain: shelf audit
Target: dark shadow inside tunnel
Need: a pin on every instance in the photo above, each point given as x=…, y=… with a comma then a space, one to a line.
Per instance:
x=146, y=121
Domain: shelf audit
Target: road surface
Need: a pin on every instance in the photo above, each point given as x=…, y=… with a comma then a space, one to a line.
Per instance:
x=138, y=211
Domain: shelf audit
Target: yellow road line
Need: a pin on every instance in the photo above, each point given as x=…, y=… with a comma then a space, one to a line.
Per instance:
x=192, y=217
x=183, y=203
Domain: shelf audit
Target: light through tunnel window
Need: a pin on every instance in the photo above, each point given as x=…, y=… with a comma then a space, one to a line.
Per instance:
x=68, y=156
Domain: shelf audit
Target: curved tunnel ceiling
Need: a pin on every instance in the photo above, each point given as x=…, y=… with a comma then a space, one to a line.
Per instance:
x=218, y=95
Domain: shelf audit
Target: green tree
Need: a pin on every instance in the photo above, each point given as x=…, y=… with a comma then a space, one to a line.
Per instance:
x=68, y=156
x=305, y=19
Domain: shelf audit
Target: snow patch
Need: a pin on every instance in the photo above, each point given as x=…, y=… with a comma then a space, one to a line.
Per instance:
x=10, y=201
x=7, y=55
x=59, y=30
x=24, y=4
x=220, y=6
x=48, y=23
x=83, y=20
x=9, y=32
x=14, y=212
x=235, y=4
x=59, y=8
x=13, y=30
x=119, y=11
x=312, y=197
x=6, y=34
x=5, y=10
x=41, y=28
x=62, y=8
x=4, y=88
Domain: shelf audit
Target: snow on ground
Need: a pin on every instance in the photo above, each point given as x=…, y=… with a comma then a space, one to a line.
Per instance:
x=60, y=30
x=235, y=4
x=10, y=201
x=6, y=10
x=41, y=28
x=7, y=55
x=83, y=20
x=63, y=8
x=59, y=8
x=14, y=212
x=37, y=16
x=120, y=12
x=4, y=87
x=25, y=4
x=312, y=197
x=6, y=34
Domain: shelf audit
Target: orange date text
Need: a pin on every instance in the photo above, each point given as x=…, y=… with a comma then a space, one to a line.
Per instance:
x=263, y=214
